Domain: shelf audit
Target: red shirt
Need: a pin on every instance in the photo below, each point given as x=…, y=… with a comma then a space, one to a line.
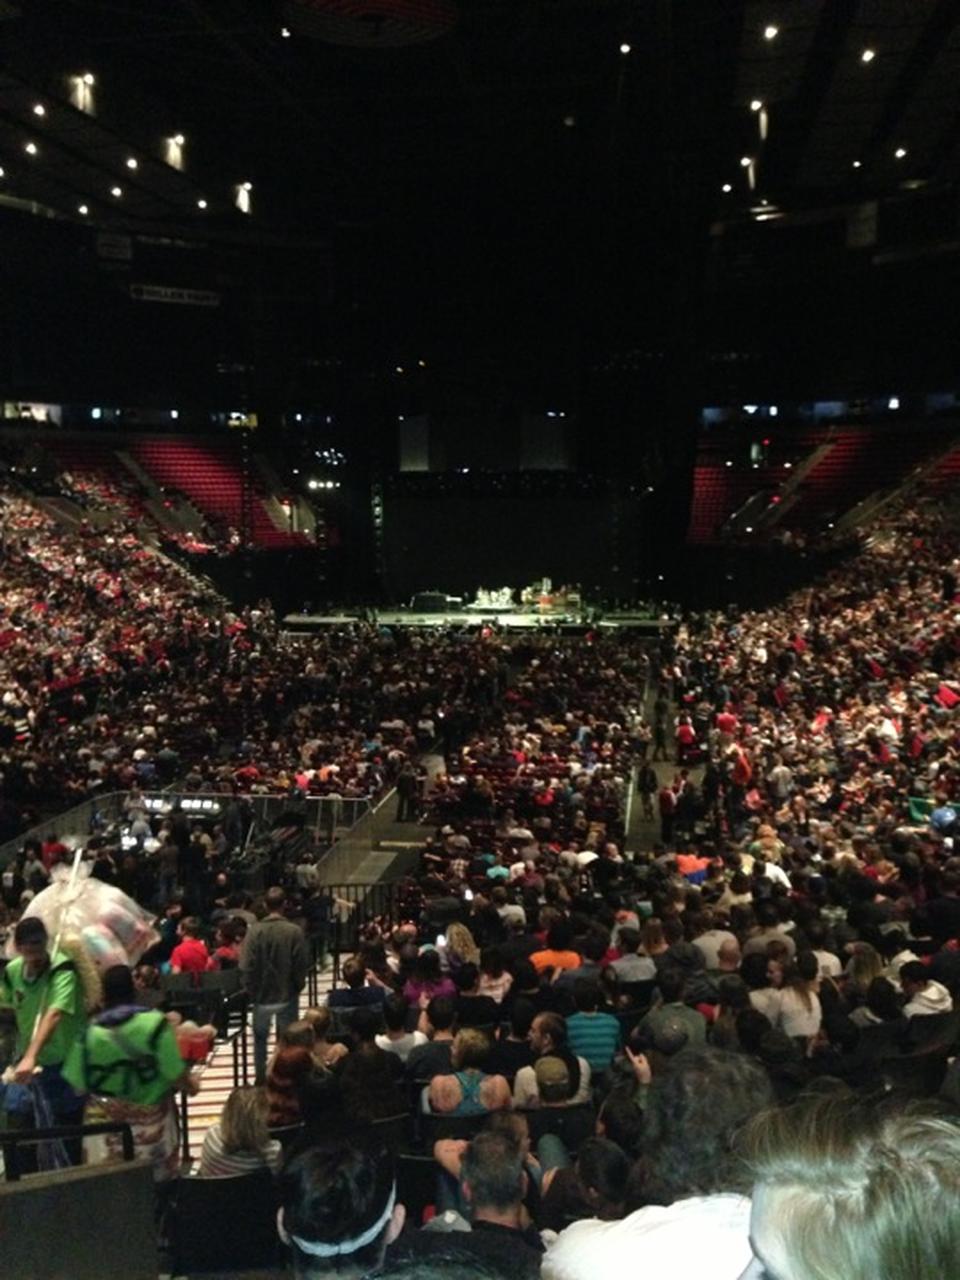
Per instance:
x=190, y=956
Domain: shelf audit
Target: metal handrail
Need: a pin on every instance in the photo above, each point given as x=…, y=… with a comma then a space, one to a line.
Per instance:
x=11, y=1139
x=324, y=814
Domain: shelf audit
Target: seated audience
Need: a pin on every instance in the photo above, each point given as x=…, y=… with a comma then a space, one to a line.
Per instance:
x=548, y=1039
x=848, y=1189
x=592, y=1035
x=696, y=1219
x=434, y=1056
x=473, y=1008
x=338, y=1208
x=396, y=1038
x=239, y=1142
x=468, y=1089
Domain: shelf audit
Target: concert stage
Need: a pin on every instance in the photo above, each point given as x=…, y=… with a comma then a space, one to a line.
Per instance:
x=505, y=620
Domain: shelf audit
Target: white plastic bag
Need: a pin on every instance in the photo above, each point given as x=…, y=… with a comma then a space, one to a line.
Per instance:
x=112, y=927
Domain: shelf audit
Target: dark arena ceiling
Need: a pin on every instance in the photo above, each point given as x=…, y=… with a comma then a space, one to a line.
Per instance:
x=496, y=160
x=352, y=109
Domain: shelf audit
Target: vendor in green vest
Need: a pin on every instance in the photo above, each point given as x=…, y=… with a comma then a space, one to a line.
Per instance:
x=43, y=988
x=128, y=1063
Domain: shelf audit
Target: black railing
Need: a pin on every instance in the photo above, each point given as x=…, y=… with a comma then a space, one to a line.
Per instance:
x=11, y=1140
x=351, y=908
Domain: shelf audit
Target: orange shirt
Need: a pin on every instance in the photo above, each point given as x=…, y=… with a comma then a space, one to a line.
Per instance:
x=554, y=960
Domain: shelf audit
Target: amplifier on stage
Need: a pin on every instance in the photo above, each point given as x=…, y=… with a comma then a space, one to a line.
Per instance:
x=434, y=602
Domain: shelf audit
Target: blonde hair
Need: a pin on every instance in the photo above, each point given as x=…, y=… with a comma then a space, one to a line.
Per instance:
x=461, y=944
x=471, y=1047
x=321, y=1021
x=243, y=1121
x=865, y=965
x=298, y=1035
x=865, y=1192
x=87, y=972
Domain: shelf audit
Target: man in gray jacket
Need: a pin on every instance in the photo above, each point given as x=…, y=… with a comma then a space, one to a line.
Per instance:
x=275, y=962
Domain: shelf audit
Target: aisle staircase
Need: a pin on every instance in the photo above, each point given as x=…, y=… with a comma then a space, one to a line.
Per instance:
x=217, y=1075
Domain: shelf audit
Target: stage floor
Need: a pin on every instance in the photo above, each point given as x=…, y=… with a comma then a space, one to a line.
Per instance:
x=511, y=620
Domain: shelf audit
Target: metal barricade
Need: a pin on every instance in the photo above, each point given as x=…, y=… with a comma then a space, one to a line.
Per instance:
x=352, y=907
x=325, y=816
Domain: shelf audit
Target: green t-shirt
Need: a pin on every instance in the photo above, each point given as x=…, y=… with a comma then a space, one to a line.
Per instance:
x=136, y=1061
x=58, y=987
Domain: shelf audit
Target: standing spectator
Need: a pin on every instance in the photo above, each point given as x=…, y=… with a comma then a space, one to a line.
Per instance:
x=129, y=1061
x=408, y=794
x=43, y=989
x=275, y=966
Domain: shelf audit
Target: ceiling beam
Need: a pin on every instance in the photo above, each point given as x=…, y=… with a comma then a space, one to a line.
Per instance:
x=929, y=44
x=796, y=120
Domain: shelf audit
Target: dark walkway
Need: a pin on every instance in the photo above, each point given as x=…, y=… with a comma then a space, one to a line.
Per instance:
x=379, y=847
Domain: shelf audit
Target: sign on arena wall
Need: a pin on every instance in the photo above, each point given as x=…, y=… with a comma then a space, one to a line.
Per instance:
x=117, y=247
x=171, y=293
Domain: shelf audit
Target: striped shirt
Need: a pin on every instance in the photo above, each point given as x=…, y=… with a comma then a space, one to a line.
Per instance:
x=215, y=1162
x=594, y=1036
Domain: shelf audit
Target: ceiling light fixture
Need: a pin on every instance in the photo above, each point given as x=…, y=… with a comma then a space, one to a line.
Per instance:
x=83, y=210
x=179, y=139
x=88, y=79
x=201, y=203
x=858, y=164
x=770, y=32
x=247, y=186
x=727, y=188
x=116, y=192
x=132, y=163
x=39, y=109
x=756, y=105
x=30, y=148
x=868, y=55
x=746, y=162
x=285, y=32
x=625, y=48
x=900, y=153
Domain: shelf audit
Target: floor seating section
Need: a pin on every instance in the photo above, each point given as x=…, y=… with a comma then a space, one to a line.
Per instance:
x=209, y=473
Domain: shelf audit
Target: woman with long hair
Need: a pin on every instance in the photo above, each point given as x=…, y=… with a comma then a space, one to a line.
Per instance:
x=800, y=1012
x=460, y=948
x=239, y=1142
